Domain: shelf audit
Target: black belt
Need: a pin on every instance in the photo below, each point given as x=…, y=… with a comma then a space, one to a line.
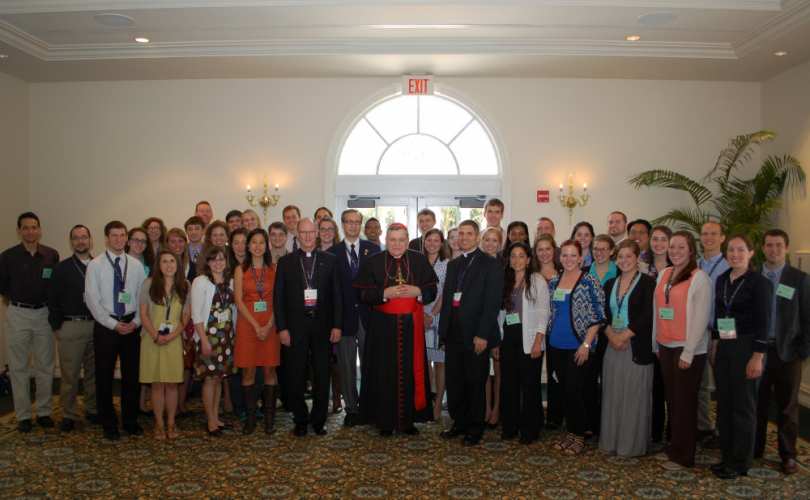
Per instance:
x=27, y=306
x=309, y=313
x=123, y=319
x=78, y=318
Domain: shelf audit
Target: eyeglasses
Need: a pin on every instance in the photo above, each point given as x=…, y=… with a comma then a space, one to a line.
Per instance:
x=327, y=230
x=301, y=233
x=351, y=222
x=217, y=259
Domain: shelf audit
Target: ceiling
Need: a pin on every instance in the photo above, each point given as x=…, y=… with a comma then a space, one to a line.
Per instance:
x=67, y=40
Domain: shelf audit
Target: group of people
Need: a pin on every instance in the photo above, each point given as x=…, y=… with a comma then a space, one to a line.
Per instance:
x=635, y=327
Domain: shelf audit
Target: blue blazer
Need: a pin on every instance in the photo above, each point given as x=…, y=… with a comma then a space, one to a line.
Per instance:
x=353, y=310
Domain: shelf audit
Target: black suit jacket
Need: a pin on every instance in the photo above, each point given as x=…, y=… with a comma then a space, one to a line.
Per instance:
x=640, y=310
x=353, y=309
x=288, y=295
x=481, y=297
x=793, y=316
x=416, y=244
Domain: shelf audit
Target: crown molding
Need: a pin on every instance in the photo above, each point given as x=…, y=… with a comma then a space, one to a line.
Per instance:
x=46, y=6
x=795, y=14
x=364, y=46
x=23, y=40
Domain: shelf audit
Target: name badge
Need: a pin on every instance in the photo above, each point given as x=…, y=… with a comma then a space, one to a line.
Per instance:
x=666, y=313
x=618, y=324
x=47, y=272
x=124, y=298
x=786, y=292
x=513, y=319
x=456, y=299
x=560, y=294
x=311, y=297
x=165, y=328
x=260, y=306
x=727, y=328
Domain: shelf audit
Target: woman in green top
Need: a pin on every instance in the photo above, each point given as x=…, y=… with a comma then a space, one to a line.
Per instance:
x=164, y=313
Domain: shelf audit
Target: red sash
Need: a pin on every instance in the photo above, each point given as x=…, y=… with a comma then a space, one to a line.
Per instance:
x=409, y=305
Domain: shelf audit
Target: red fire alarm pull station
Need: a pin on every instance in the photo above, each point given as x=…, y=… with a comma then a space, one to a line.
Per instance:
x=543, y=196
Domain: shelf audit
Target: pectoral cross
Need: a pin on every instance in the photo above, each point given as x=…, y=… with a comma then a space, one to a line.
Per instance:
x=400, y=280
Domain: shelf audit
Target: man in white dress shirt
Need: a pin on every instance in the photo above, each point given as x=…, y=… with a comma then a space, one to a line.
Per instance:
x=112, y=287
x=291, y=215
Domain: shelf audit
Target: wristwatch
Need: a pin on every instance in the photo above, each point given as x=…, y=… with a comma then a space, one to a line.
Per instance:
x=586, y=345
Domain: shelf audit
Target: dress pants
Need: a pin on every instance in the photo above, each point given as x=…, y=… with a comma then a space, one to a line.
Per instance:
x=660, y=422
x=521, y=409
x=466, y=377
x=707, y=385
x=573, y=381
x=554, y=398
x=29, y=335
x=593, y=385
x=109, y=346
x=682, y=389
x=347, y=351
x=76, y=352
x=309, y=346
x=783, y=379
x=736, y=402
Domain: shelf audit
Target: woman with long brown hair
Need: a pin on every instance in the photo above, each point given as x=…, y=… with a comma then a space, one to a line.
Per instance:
x=164, y=313
x=177, y=243
x=156, y=234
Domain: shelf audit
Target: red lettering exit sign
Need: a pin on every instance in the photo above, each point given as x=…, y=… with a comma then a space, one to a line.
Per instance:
x=543, y=196
x=417, y=85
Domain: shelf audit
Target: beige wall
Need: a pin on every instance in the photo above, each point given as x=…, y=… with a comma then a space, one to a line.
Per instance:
x=132, y=149
x=786, y=110
x=14, y=114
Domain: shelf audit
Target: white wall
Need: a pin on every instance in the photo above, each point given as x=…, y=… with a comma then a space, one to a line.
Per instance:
x=132, y=149
x=786, y=110
x=14, y=199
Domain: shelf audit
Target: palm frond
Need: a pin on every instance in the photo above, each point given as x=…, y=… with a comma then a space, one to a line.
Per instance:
x=689, y=219
x=780, y=174
x=737, y=153
x=672, y=180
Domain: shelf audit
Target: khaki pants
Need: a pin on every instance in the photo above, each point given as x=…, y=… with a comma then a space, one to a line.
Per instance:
x=76, y=352
x=29, y=334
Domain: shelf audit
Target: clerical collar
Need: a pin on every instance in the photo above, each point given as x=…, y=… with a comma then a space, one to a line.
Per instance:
x=306, y=254
x=467, y=254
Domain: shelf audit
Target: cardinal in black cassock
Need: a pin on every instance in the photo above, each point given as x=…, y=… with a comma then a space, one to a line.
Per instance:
x=395, y=387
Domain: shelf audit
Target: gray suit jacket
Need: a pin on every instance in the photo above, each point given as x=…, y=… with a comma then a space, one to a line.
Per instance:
x=793, y=316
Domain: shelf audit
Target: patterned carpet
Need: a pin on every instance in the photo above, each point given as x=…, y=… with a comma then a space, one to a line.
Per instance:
x=351, y=463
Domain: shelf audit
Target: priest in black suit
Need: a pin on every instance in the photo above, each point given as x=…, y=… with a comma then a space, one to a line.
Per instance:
x=395, y=385
x=308, y=310
x=468, y=329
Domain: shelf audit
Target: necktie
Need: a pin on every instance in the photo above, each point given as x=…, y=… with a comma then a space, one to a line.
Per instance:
x=772, y=276
x=118, y=287
x=295, y=243
x=355, y=262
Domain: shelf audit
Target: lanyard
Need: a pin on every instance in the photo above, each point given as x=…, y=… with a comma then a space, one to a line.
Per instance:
x=308, y=277
x=117, y=272
x=78, y=267
x=169, y=306
x=729, y=301
x=259, y=281
x=714, y=266
x=620, y=299
x=463, y=273
x=668, y=288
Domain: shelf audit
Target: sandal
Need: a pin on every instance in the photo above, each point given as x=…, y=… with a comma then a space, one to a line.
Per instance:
x=564, y=443
x=576, y=446
x=172, y=433
x=160, y=434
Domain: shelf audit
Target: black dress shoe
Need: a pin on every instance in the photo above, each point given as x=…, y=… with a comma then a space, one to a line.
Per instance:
x=45, y=422
x=300, y=430
x=319, y=431
x=111, y=434
x=215, y=433
x=386, y=433
x=471, y=440
x=411, y=431
x=67, y=425
x=92, y=418
x=552, y=426
x=134, y=430
x=525, y=440
x=717, y=466
x=350, y=420
x=508, y=436
x=25, y=426
x=789, y=466
x=729, y=473
x=452, y=432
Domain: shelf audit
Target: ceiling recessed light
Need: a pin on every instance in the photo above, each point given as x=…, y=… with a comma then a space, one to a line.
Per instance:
x=113, y=20
x=632, y=38
x=780, y=53
x=141, y=39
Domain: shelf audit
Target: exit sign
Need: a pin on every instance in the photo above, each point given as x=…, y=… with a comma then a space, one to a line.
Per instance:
x=417, y=85
x=543, y=196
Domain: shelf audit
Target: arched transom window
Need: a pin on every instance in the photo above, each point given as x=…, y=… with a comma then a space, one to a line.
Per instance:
x=418, y=135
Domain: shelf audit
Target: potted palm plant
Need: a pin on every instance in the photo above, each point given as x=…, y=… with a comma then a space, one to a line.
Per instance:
x=742, y=205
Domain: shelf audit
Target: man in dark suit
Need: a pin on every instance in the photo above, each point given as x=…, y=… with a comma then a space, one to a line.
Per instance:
x=351, y=253
x=426, y=220
x=468, y=329
x=308, y=309
x=788, y=347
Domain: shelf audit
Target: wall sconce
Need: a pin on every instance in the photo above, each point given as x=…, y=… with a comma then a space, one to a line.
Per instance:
x=266, y=200
x=570, y=200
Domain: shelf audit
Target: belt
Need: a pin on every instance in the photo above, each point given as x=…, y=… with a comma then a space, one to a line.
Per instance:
x=125, y=318
x=27, y=306
x=309, y=313
x=78, y=318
